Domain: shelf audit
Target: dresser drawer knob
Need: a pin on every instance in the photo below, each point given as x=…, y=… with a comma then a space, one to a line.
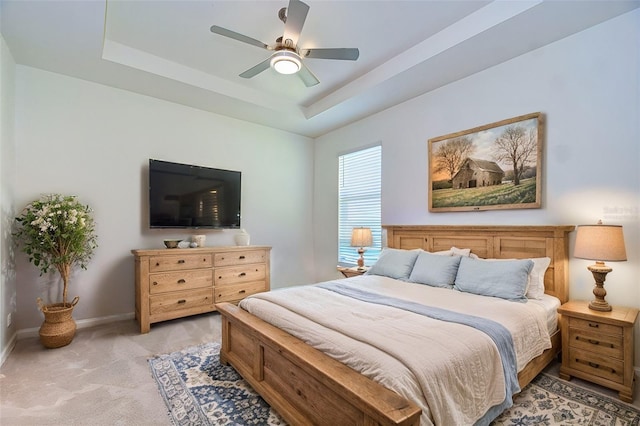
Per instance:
x=155, y=283
x=181, y=301
x=242, y=274
x=594, y=365
x=242, y=291
x=181, y=281
x=594, y=325
x=181, y=261
x=241, y=257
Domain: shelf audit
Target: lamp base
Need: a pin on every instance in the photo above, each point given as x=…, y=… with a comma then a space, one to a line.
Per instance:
x=603, y=306
x=599, y=271
x=361, y=259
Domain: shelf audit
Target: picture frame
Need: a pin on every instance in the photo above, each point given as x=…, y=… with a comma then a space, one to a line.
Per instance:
x=497, y=166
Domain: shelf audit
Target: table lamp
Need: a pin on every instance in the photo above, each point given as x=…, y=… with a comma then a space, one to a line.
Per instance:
x=361, y=238
x=600, y=243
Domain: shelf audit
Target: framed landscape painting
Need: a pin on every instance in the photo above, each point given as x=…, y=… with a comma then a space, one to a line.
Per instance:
x=491, y=167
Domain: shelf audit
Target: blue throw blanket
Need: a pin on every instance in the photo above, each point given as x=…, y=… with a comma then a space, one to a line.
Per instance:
x=498, y=333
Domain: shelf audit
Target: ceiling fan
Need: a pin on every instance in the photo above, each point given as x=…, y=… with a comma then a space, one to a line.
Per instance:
x=287, y=56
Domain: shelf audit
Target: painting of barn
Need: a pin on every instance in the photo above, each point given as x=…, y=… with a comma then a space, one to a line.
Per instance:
x=475, y=173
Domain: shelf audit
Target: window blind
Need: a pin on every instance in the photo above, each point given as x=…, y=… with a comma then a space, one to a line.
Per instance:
x=359, y=205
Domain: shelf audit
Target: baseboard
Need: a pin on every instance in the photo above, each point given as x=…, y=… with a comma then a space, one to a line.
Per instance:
x=85, y=323
x=7, y=350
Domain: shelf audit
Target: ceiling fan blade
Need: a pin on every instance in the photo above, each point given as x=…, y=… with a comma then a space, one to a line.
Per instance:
x=253, y=71
x=237, y=36
x=296, y=15
x=307, y=76
x=346, y=54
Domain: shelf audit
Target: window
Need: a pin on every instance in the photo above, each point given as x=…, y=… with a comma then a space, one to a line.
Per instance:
x=360, y=181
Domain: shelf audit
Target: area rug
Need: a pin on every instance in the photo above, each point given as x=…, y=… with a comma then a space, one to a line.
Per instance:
x=198, y=390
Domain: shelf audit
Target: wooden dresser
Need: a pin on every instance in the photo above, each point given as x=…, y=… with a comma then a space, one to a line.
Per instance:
x=175, y=283
x=598, y=346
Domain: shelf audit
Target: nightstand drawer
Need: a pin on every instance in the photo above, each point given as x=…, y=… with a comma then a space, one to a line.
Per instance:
x=176, y=301
x=240, y=274
x=595, y=326
x=179, y=262
x=603, y=344
x=182, y=280
x=596, y=365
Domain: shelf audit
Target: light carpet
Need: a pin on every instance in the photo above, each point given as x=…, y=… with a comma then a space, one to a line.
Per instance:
x=198, y=390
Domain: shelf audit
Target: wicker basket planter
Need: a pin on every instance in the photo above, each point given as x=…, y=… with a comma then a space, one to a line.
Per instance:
x=59, y=327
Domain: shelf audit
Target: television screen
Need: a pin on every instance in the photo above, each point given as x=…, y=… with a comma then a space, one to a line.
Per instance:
x=186, y=196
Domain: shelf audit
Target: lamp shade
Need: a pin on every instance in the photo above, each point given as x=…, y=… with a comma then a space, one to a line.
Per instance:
x=600, y=242
x=361, y=237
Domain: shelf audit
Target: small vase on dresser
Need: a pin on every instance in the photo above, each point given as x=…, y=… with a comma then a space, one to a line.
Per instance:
x=242, y=238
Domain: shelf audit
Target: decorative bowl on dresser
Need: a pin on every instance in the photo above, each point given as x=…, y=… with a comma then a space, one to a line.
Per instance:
x=598, y=346
x=177, y=283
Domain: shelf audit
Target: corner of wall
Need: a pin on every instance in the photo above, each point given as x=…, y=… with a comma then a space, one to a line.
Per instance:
x=7, y=210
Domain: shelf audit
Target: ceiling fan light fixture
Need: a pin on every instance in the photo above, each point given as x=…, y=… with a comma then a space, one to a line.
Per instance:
x=286, y=62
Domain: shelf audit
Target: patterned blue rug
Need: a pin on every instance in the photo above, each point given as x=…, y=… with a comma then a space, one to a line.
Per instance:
x=198, y=390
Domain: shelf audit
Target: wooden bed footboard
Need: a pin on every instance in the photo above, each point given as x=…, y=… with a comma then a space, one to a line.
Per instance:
x=304, y=385
x=308, y=387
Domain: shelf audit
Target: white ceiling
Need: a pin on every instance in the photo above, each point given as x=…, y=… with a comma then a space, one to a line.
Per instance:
x=164, y=49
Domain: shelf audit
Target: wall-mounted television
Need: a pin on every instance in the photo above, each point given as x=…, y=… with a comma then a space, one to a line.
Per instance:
x=188, y=196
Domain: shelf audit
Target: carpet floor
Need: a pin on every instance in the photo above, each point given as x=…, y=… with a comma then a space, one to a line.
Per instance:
x=197, y=389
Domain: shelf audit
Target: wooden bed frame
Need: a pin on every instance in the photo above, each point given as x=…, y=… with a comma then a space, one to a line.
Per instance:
x=308, y=387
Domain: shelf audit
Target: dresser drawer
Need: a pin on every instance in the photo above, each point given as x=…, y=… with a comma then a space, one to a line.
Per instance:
x=177, y=301
x=595, y=326
x=240, y=274
x=179, y=262
x=182, y=280
x=597, y=365
x=240, y=257
x=601, y=343
x=231, y=293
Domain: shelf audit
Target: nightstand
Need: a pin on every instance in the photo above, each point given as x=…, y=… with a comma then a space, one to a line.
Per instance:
x=598, y=346
x=351, y=272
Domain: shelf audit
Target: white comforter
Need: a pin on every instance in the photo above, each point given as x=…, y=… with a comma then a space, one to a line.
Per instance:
x=452, y=372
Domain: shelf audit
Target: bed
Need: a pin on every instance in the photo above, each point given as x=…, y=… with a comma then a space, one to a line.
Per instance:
x=307, y=386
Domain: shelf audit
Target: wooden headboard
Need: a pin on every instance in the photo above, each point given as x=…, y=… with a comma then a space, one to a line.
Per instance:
x=499, y=242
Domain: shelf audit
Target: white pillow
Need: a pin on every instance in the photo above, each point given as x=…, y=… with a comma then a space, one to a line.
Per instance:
x=535, y=290
x=455, y=251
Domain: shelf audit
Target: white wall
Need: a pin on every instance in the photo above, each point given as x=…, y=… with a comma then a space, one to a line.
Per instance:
x=588, y=87
x=7, y=170
x=93, y=141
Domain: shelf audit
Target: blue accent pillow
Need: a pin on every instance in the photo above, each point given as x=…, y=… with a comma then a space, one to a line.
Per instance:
x=394, y=263
x=507, y=280
x=435, y=270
